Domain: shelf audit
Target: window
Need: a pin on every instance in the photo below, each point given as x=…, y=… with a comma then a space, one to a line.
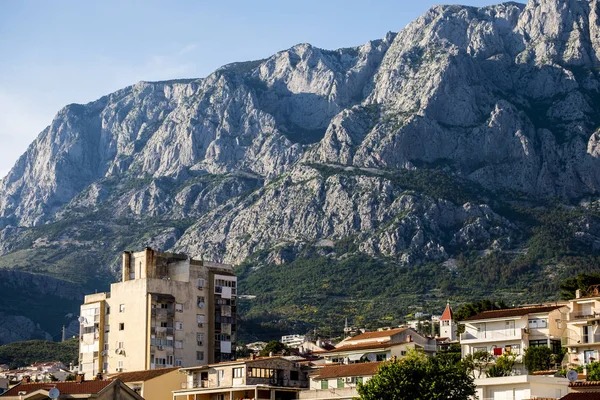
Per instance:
x=122, y=326
x=200, y=355
x=538, y=343
x=261, y=372
x=179, y=344
x=294, y=375
x=538, y=323
x=340, y=383
x=324, y=384
x=179, y=326
x=238, y=372
x=178, y=307
x=121, y=307
x=178, y=362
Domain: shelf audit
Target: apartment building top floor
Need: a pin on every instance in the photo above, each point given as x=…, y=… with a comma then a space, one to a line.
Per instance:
x=152, y=264
x=273, y=371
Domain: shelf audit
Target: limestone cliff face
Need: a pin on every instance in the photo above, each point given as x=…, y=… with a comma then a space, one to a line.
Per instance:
x=311, y=147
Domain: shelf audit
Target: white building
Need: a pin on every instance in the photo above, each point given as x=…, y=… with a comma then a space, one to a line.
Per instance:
x=582, y=336
x=515, y=329
x=521, y=387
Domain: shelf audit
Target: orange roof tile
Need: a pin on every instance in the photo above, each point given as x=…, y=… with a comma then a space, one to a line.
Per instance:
x=585, y=384
x=364, y=346
x=378, y=334
x=512, y=312
x=87, y=387
x=448, y=314
x=582, y=396
x=137, y=376
x=338, y=371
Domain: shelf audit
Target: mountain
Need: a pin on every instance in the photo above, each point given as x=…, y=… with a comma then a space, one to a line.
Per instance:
x=457, y=158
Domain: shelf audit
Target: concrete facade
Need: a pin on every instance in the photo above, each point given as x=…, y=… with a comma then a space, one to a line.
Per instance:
x=582, y=336
x=513, y=330
x=168, y=311
x=521, y=387
x=266, y=378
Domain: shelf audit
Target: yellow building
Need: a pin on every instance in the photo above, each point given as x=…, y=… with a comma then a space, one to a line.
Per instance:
x=156, y=384
x=168, y=311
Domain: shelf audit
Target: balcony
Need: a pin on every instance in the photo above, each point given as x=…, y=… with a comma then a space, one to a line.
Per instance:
x=488, y=336
x=163, y=313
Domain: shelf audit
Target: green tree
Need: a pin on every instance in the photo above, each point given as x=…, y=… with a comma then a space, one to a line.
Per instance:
x=538, y=359
x=419, y=377
x=593, y=371
x=274, y=347
x=478, y=362
x=581, y=282
x=469, y=309
x=503, y=366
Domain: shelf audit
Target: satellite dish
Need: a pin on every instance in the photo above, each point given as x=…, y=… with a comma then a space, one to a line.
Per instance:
x=53, y=393
x=572, y=375
x=371, y=357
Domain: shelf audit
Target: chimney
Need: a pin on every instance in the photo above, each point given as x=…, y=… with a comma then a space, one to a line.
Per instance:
x=578, y=294
x=79, y=378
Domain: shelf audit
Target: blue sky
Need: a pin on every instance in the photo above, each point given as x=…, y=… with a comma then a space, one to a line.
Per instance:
x=60, y=52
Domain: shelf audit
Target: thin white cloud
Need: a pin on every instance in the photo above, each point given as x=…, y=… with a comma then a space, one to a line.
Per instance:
x=188, y=48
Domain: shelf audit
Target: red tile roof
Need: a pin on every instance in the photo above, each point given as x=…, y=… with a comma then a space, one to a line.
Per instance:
x=87, y=387
x=364, y=346
x=513, y=312
x=582, y=396
x=142, y=376
x=377, y=334
x=448, y=314
x=585, y=384
x=338, y=371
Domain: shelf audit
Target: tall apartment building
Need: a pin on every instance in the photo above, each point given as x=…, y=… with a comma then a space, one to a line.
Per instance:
x=168, y=311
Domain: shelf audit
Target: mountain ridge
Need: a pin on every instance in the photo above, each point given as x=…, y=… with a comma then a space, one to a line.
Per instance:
x=455, y=139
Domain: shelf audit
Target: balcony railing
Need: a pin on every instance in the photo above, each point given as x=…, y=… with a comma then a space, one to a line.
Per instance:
x=493, y=335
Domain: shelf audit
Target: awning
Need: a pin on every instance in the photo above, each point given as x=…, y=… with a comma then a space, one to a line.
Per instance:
x=355, y=357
